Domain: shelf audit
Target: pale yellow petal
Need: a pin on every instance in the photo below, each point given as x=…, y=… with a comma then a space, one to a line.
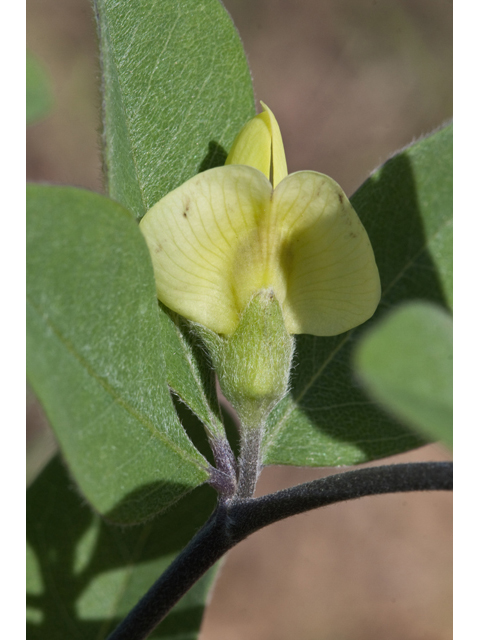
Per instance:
x=253, y=146
x=322, y=266
x=205, y=245
x=279, y=161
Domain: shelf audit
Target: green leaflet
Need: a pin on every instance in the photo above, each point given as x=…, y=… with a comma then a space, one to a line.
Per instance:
x=95, y=355
x=177, y=90
x=38, y=89
x=84, y=575
x=189, y=372
x=405, y=363
x=406, y=207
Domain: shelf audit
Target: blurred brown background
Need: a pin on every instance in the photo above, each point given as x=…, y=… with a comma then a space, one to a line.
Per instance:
x=350, y=81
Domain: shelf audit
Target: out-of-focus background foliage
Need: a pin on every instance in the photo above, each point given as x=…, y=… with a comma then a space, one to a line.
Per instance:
x=350, y=82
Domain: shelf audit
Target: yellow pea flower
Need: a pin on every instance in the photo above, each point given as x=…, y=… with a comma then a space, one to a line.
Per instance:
x=232, y=231
x=259, y=144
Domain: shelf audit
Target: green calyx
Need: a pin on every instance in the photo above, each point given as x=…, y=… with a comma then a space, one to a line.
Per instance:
x=253, y=364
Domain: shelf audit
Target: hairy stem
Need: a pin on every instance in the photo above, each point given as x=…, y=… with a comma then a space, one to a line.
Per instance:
x=249, y=462
x=201, y=553
x=223, y=477
x=249, y=516
x=233, y=521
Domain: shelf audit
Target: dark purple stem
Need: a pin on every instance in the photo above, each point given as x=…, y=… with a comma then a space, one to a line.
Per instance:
x=234, y=520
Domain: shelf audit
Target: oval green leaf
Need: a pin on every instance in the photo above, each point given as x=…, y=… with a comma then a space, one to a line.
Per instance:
x=406, y=208
x=95, y=356
x=177, y=90
x=405, y=364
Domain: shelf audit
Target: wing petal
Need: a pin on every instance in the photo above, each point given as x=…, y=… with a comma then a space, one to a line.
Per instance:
x=203, y=240
x=323, y=267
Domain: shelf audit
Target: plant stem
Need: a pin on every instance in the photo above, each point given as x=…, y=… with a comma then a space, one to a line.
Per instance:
x=201, y=553
x=232, y=521
x=223, y=477
x=249, y=462
x=248, y=516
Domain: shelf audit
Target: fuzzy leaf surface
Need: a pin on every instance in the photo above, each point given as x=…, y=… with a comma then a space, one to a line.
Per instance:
x=406, y=208
x=189, y=372
x=177, y=90
x=95, y=357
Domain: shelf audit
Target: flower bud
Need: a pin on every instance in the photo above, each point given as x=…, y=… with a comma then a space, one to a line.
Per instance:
x=253, y=364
